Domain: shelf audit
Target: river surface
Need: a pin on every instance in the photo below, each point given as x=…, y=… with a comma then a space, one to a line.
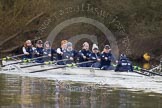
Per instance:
x=18, y=91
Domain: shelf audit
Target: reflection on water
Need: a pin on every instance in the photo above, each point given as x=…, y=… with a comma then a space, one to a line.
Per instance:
x=22, y=92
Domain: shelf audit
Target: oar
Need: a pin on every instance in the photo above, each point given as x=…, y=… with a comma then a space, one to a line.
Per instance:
x=45, y=63
x=151, y=72
x=142, y=73
x=63, y=66
x=12, y=57
x=137, y=69
x=25, y=61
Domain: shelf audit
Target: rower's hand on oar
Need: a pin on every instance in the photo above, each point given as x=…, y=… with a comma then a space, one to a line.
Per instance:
x=37, y=53
x=98, y=60
x=26, y=53
x=71, y=58
x=116, y=61
x=49, y=55
x=84, y=57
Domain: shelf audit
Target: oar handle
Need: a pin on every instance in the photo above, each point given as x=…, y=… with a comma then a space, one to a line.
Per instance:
x=85, y=62
x=45, y=63
x=20, y=55
x=151, y=72
x=75, y=64
x=25, y=61
x=52, y=62
x=137, y=68
x=9, y=58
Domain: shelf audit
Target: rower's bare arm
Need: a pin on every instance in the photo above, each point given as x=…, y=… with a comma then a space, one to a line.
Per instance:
x=24, y=51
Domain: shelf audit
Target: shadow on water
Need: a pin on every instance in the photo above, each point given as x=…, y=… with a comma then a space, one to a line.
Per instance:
x=22, y=92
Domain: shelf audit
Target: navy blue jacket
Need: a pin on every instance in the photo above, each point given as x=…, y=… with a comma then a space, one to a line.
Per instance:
x=104, y=61
x=49, y=51
x=30, y=51
x=39, y=53
x=59, y=56
x=124, y=65
x=68, y=55
x=82, y=53
x=94, y=56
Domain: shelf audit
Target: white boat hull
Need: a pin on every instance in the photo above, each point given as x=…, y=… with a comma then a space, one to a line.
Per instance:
x=128, y=80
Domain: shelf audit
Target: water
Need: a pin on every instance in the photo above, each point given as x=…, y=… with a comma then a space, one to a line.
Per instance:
x=33, y=92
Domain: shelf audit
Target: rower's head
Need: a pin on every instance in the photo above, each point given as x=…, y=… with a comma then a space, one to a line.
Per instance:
x=64, y=44
x=86, y=45
x=47, y=45
x=28, y=43
x=39, y=44
x=107, y=49
x=95, y=48
x=123, y=57
x=69, y=46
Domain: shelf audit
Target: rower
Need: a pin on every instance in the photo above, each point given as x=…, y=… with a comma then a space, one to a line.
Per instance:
x=107, y=58
x=48, y=51
x=84, y=55
x=69, y=54
x=124, y=65
x=60, y=52
x=39, y=51
x=28, y=50
x=95, y=56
